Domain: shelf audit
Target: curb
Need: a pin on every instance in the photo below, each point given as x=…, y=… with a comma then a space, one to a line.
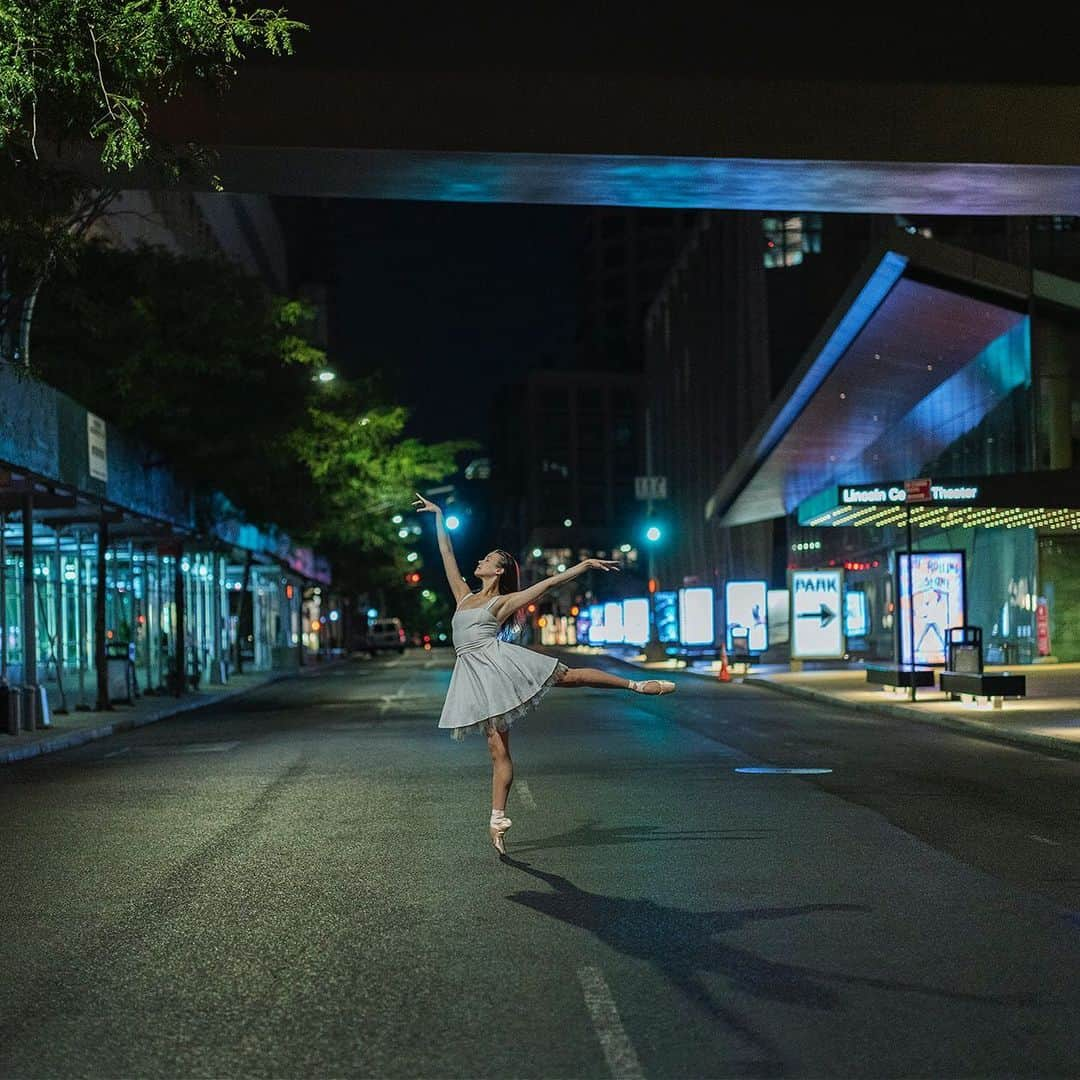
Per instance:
x=103, y=731
x=1028, y=740
x=979, y=729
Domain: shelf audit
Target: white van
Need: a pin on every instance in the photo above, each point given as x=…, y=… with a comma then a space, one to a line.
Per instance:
x=383, y=635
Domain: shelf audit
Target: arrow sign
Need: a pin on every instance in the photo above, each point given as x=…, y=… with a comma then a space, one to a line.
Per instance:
x=817, y=601
x=826, y=615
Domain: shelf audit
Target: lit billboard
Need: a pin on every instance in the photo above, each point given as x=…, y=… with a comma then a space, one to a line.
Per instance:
x=696, y=619
x=745, y=606
x=613, y=624
x=666, y=614
x=635, y=621
x=939, y=602
x=817, y=614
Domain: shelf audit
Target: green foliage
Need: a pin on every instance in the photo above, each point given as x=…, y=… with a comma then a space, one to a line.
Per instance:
x=202, y=362
x=77, y=69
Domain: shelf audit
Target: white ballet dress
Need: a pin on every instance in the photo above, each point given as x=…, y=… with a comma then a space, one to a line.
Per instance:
x=493, y=682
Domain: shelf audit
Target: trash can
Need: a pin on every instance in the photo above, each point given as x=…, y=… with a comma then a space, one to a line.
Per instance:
x=118, y=658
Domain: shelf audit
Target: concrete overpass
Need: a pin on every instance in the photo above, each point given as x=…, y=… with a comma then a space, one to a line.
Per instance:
x=644, y=139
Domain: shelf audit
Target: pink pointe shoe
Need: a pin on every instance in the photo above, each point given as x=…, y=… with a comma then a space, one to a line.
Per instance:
x=653, y=687
x=496, y=831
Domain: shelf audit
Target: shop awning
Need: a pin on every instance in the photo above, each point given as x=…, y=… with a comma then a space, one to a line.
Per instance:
x=924, y=344
x=1047, y=500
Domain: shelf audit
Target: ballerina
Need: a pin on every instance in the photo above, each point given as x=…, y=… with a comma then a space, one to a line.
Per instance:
x=494, y=682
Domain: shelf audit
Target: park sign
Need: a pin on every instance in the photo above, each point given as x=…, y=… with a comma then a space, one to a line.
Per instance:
x=817, y=614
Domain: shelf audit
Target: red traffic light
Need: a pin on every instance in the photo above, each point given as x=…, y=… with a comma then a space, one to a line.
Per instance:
x=413, y=577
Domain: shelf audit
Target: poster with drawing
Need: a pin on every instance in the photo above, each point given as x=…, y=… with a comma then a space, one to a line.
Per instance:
x=938, y=602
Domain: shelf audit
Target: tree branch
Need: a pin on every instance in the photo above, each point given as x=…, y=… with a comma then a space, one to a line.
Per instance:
x=101, y=77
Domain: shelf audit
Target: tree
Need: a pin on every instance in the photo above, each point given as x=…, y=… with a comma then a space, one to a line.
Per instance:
x=87, y=72
x=217, y=374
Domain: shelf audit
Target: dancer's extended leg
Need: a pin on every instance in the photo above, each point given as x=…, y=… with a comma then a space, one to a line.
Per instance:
x=604, y=680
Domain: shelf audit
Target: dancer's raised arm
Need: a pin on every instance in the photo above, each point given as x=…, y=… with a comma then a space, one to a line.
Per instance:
x=512, y=601
x=458, y=585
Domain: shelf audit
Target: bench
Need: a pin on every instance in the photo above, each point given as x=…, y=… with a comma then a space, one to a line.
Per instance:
x=899, y=675
x=993, y=685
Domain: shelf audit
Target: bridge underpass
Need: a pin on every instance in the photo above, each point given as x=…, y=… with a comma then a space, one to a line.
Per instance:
x=830, y=145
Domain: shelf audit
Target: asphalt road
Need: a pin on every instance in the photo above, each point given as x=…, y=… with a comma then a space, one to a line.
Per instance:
x=300, y=884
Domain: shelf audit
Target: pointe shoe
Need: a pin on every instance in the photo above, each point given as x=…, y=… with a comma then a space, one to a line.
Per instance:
x=496, y=833
x=653, y=687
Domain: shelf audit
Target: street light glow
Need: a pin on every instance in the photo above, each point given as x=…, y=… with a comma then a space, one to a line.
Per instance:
x=537, y=552
x=396, y=519
x=326, y=376
x=412, y=556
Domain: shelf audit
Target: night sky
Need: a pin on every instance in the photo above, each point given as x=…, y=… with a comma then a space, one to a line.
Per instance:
x=447, y=300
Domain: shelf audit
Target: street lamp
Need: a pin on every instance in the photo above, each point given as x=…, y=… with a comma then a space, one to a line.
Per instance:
x=324, y=376
x=654, y=533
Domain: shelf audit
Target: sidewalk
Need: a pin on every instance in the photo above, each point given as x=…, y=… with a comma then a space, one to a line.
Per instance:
x=74, y=728
x=1048, y=718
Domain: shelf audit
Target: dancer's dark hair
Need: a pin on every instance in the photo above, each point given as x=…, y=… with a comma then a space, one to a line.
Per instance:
x=509, y=582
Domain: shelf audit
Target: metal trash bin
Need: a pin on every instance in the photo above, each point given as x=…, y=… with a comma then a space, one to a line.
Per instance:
x=118, y=659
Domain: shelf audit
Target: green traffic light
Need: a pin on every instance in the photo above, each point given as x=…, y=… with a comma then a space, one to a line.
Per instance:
x=653, y=533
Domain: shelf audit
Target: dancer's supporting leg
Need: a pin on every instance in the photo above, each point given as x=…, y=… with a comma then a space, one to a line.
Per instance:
x=502, y=776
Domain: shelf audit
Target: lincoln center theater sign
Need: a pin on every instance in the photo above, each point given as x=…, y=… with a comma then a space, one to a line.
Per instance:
x=884, y=494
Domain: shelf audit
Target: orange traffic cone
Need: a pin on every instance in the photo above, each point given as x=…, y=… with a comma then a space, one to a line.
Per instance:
x=725, y=674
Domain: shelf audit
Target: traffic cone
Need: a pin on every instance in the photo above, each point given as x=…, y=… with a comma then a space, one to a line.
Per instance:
x=725, y=674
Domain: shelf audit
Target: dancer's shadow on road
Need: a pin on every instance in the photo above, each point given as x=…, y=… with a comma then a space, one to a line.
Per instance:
x=685, y=945
x=591, y=835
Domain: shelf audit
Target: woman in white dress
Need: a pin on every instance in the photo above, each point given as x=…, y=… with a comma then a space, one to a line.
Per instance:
x=494, y=682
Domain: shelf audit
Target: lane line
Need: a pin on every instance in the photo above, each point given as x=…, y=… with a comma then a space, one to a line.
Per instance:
x=522, y=788
x=619, y=1054
x=210, y=748
x=1044, y=840
x=117, y=753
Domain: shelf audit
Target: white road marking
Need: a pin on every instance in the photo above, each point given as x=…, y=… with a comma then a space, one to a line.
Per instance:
x=393, y=663
x=430, y=663
x=1044, y=840
x=210, y=747
x=620, y=1056
x=387, y=700
x=117, y=753
x=522, y=788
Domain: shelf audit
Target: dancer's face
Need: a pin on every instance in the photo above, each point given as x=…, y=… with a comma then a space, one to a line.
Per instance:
x=491, y=565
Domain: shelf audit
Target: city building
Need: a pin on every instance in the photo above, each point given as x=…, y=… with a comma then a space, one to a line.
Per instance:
x=116, y=579
x=941, y=375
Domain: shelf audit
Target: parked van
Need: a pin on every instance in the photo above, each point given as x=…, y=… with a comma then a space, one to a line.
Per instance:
x=383, y=635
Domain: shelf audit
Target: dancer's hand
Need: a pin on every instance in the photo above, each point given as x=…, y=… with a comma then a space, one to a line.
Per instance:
x=600, y=564
x=425, y=506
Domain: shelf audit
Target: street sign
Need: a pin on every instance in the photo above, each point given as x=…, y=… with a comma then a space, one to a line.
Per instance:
x=650, y=487
x=817, y=624
x=917, y=491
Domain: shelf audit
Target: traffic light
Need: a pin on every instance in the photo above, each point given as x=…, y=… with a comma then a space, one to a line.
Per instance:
x=412, y=577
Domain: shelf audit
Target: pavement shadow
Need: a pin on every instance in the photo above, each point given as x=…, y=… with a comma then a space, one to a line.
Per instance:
x=684, y=946
x=592, y=835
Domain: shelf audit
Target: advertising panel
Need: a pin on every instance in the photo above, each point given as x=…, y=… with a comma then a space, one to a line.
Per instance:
x=635, y=616
x=597, y=634
x=856, y=615
x=817, y=624
x=666, y=614
x=939, y=602
x=613, y=626
x=746, y=613
x=696, y=620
